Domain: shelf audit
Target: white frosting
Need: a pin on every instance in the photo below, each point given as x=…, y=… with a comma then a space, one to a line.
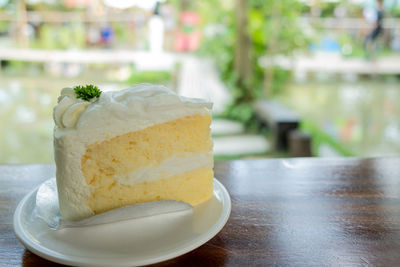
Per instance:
x=80, y=123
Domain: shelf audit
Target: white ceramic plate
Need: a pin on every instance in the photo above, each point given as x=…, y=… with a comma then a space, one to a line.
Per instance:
x=126, y=243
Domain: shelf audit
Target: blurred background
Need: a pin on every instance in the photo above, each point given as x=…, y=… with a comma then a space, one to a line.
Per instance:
x=287, y=77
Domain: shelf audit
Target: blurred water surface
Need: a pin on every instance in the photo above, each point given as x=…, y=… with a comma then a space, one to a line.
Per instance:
x=362, y=116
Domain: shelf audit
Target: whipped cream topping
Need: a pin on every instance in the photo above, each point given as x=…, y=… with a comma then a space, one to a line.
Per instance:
x=79, y=123
x=69, y=108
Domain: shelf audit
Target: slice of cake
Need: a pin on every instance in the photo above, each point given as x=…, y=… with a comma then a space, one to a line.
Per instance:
x=141, y=144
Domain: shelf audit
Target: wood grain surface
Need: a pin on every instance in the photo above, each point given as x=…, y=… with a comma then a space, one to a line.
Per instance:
x=285, y=212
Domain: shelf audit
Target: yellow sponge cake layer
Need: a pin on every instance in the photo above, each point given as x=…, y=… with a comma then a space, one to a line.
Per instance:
x=192, y=187
x=105, y=164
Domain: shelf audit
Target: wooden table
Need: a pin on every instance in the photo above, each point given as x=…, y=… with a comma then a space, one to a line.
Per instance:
x=284, y=212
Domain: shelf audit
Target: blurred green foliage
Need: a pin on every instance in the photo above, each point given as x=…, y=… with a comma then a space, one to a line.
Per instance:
x=4, y=25
x=60, y=36
x=328, y=8
x=272, y=29
x=220, y=36
x=156, y=77
x=121, y=32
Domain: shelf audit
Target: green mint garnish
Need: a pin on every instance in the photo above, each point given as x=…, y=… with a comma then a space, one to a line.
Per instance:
x=87, y=92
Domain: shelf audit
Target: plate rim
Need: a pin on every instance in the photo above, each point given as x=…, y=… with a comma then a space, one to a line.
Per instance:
x=54, y=256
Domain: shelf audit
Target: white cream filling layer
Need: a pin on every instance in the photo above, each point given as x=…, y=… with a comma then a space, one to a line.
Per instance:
x=168, y=168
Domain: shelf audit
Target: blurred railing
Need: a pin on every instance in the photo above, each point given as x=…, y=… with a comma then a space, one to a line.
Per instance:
x=325, y=62
x=76, y=16
x=347, y=23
